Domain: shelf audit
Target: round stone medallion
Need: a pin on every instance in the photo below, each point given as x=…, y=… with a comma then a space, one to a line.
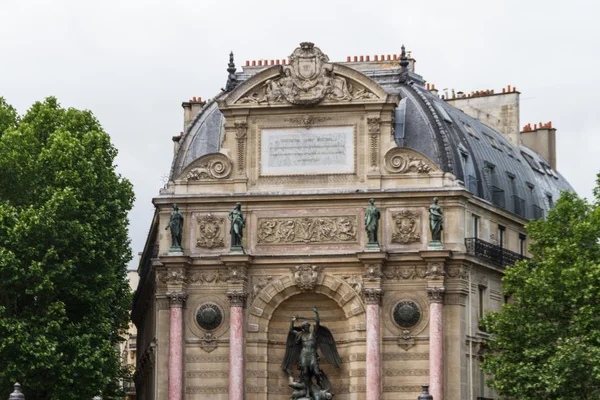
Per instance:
x=407, y=313
x=209, y=316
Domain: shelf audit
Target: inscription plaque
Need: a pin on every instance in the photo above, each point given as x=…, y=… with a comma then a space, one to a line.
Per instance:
x=317, y=150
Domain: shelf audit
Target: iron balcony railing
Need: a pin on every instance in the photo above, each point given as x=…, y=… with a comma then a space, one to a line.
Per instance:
x=492, y=253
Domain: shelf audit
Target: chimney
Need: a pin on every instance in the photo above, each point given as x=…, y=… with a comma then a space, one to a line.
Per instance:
x=190, y=109
x=434, y=91
x=542, y=140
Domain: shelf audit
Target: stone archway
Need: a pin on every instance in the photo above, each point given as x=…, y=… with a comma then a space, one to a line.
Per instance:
x=268, y=323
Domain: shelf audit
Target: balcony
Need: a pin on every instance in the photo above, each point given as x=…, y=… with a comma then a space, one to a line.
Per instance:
x=492, y=253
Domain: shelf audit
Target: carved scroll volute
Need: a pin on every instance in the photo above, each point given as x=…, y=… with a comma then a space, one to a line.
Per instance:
x=241, y=131
x=374, y=126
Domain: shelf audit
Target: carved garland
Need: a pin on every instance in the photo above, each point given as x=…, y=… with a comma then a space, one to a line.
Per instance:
x=374, y=131
x=307, y=230
x=240, y=135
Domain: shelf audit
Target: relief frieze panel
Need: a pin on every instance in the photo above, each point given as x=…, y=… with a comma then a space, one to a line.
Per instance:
x=319, y=230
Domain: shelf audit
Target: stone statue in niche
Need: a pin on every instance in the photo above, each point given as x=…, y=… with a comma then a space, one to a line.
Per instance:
x=436, y=224
x=302, y=346
x=238, y=223
x=372, y=216
x=176, y=227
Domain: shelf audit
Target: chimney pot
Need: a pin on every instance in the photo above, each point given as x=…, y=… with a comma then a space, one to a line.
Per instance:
x=389, y=57
x=180, y=133
x=382, y=57
x=260, y=63
x=272, y=62
x=503, y=90
x=514, y=89
x=535, y=126
x=247, y=63
x=253, y=63
x=509, y=88
x=348, y=58
x=367, y=58
x=428, y=86
x=194, y=98
x=395, y=56
x=355, y=59
x=362, y=58
x=376, y=58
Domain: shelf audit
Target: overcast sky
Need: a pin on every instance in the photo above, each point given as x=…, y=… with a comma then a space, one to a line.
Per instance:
x=133, y=62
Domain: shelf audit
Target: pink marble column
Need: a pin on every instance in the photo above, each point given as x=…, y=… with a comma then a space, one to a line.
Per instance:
x=176, y=300
x=373, y=298
x=237, y=300
x=436, y=341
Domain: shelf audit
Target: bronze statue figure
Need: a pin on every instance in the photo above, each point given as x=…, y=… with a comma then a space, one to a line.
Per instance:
x=302, y=346
x=436, y=221
x=372, y=216
x=237, y=226
x=176, y=226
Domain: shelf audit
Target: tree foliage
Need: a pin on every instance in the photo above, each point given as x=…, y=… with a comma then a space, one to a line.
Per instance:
x=64, y=249
x=546, y=342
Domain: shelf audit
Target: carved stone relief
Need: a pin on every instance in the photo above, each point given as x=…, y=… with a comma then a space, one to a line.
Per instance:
x=237, y=274
x=405, y=340
x=402, y=161
x=373, y=272
x=406, y=226
x=435, y=271
x=210, y=167
x=241, y=131
x=308, y=79
x=172, y=276
x=404, y=272
x=207, y=277
x=307, y=120
x=307, y=230
x=458, y=272
x=374, y=130
x=355, y=282
x=259, y=283
x=210, y=231
x=306, y=276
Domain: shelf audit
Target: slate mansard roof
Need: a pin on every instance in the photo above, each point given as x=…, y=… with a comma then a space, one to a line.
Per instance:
x=515, y=179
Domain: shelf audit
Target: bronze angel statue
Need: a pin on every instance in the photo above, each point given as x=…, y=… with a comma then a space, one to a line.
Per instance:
x=302, y=346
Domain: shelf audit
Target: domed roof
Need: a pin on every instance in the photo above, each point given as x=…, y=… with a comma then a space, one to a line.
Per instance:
x=515, y=179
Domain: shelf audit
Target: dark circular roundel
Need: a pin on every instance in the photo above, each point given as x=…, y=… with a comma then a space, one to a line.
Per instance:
x=407, y=314
x=209, y=316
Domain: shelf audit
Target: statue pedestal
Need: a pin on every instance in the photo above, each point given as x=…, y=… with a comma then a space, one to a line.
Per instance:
x=175, y=251
x=236, y=250
x=372, y=247
x=435, y=245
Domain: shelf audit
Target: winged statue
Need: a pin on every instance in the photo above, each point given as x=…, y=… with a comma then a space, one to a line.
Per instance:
x=301, y=349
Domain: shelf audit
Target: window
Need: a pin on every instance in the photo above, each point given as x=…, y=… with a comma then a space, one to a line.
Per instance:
x=522, y=244
x=501, y=230
x=471, y=131
x=550, y=201
x=497, y=192
x=492, y=142
x=475, y=219
x=532, y=162
x=481, y=306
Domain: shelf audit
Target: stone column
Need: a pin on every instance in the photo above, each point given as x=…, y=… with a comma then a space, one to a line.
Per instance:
x=373, y=299
x=237, y=300
x=436, y=341
x=176, y=301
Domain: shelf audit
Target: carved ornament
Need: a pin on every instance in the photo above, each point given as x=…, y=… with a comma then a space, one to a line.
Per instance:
x=306, y=276
x=309, y=79
x=404, y=273
x=436, y=294
x=208, y=342
x=355, y=282
x=405, y=341
x=372, y=295
x=406, y=226
x=241, y=131
x=207, y=277
x=307, y=230
x=373, y=272
x=210, y=231
x=237, y=274
x=237, y=298
x=172, y=276
x=210, y=167
x=403, y=161
x=307, y=120
x=458, y=272
x=483, y=281
x=177, y=299
x=435, y=271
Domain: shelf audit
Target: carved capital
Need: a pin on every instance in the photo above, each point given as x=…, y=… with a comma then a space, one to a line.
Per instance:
x=237, y=298
x=373, y=272
x=177, y=299
x=241, y=129
x=436, y=294
x=374, y=125
x=372, y=295
x=483, y=281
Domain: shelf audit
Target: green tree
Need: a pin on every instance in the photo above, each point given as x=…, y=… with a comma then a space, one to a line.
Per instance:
x=64, y=249
x=546, y=342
